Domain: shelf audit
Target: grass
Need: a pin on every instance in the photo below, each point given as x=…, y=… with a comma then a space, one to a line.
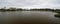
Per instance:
x=57, y=15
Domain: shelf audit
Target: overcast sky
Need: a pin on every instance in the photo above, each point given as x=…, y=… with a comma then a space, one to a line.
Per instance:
x=30, y=3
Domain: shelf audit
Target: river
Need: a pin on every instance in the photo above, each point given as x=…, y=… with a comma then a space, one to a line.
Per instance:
x=28, y=17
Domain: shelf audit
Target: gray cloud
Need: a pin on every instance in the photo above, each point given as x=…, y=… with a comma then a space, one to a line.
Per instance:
x=30, y=3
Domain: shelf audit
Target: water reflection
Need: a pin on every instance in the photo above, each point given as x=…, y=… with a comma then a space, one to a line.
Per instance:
x=28, y=17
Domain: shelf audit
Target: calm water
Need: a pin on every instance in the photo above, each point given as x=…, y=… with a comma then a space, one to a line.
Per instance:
x=29, y=17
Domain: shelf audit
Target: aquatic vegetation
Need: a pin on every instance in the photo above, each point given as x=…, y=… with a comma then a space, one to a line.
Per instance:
x=57, y=11
x=57, y=15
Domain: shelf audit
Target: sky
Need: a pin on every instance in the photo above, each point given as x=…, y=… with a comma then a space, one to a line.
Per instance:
x=31, y=3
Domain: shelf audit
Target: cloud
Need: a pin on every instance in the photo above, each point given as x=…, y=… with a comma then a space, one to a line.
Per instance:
x=30, y=3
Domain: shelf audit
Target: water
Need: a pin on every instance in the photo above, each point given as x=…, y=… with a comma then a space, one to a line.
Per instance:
x=28, y=17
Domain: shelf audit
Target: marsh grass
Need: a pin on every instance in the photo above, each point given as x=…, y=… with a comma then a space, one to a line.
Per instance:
x=57, y=15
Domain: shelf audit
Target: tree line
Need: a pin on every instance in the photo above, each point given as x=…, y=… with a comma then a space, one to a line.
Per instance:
x=20, y=9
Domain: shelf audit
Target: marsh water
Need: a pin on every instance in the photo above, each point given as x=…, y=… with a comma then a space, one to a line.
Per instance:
x=28, y=17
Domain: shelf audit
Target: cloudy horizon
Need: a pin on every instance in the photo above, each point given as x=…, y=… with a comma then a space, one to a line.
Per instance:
x=31, y=3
